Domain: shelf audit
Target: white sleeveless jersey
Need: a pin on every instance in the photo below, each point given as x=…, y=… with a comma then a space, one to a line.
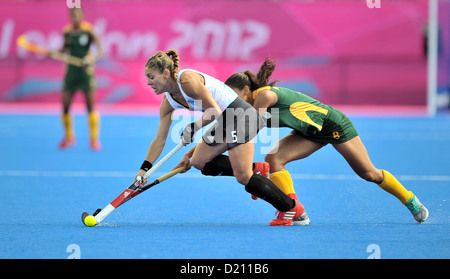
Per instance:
x=221, y=93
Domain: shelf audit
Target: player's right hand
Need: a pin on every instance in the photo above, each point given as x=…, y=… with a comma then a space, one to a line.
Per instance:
x=140, y=177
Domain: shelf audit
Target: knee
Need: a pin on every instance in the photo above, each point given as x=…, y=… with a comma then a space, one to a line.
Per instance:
x=375, y=176
x=275, y=162
x=242, y=177
x=196, y=163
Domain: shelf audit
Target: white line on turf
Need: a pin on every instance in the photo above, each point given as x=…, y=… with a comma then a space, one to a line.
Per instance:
x=196, y=174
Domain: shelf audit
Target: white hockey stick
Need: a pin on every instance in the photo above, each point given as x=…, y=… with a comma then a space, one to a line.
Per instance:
x=128, y=193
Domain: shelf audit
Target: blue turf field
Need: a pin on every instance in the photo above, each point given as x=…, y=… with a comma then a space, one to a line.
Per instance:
x=45, y=190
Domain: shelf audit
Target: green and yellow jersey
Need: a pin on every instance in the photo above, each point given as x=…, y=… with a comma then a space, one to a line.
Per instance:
x=307, y=117
x=77, y=42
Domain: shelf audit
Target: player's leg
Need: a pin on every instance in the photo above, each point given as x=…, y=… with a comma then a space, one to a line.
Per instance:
x=221, y=166
x=358, y=158
x=290, y=148
x=241, y=158
x=67, y=120
x=238, y=125
x=87, y=84
x=93, y=119
x=264, y=188
x=205, y=153
x=208, y=159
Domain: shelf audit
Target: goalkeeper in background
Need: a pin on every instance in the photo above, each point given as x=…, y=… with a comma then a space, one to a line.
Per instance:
x=78, y=37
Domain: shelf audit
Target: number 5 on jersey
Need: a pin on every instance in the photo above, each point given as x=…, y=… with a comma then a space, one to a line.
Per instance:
x=233, y=134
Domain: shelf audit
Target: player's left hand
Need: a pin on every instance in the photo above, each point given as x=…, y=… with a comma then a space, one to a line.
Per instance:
x=185, y=162
x=88, y=60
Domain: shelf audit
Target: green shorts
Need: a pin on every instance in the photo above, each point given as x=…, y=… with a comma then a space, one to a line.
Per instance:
x=337, y=128
x=79, y=79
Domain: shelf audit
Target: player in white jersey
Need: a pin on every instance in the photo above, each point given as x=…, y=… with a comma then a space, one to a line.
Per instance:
x=237, y=124
x=222, y=94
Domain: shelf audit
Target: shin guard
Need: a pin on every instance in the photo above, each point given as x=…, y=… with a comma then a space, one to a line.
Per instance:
x=265, y=189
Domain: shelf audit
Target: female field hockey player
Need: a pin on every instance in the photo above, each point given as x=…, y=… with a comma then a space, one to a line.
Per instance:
x=78, y=37
x=314, y=126
x=233, y=131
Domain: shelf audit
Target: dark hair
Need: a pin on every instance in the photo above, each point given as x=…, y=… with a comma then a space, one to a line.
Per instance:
x=75, y=9
x=165, y=60
x=248, y=78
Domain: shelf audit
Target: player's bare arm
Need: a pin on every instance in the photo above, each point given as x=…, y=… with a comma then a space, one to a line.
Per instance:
x=193, y=85
x=94, y=58
x=158, y=143
x=186, y=160
x=265, y=99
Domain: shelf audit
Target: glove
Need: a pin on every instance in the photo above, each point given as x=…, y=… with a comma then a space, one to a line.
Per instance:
x=187, y=135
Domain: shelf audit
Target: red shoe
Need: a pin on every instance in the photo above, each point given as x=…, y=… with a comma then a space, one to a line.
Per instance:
x=261, y=168
x=66, y=143
x=95, y=145
x=287, y=218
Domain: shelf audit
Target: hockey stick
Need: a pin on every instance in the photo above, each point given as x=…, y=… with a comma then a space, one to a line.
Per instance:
x=134, y=190
x=134, y=193
x=22, y=42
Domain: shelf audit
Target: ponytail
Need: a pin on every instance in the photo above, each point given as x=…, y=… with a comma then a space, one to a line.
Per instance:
x=165, y=60
x=248, y=78
x=173, y=55
x=264, y=73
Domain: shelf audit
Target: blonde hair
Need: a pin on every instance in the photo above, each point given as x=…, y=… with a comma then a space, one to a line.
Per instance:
x=165, y=60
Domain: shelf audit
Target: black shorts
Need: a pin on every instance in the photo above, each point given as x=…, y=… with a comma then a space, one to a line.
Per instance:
x=239, y=123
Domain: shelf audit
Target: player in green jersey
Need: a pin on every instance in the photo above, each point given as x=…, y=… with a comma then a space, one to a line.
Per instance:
x=314, y=125
x=78, y=38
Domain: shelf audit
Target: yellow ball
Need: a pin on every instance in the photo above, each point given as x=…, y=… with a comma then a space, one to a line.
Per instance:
x=90, y=221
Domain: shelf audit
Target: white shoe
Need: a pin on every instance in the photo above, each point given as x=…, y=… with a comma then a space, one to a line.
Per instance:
x=418, y=210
